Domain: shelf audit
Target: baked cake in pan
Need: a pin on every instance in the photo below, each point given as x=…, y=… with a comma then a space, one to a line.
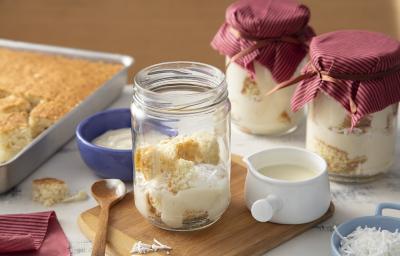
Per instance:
x=38, y=89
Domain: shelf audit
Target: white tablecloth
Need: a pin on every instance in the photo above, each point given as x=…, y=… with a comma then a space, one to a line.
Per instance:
x=350, y=200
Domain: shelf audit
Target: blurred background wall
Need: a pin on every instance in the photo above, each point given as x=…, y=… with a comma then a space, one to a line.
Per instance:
x=163, y=30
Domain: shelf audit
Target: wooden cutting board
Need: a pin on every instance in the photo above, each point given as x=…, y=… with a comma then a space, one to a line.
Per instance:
x=236, y=233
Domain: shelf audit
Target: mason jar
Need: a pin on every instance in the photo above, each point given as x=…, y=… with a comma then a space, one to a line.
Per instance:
x=252, y=110
x=265, y=43
x=181, y=145
x=351, y=87
x=357, y=154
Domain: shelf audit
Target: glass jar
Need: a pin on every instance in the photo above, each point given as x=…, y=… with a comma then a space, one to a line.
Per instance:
x=255, y=113
x=181, y=136
x=353, y=155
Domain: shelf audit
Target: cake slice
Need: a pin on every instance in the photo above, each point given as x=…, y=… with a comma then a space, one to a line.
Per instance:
x=49, y=191
x=14, y=134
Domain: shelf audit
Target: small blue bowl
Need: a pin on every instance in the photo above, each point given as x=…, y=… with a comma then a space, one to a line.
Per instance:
x=105, y=162
x=378, y=221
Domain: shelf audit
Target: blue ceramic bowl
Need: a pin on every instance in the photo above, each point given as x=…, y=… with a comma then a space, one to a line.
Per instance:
x=378, y=221
x=105, y=162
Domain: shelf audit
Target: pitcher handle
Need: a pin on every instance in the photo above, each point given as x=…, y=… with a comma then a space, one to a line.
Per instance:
x=264, y=209
x=383, y=206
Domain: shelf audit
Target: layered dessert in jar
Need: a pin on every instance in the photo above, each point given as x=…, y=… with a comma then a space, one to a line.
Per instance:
x=351, y=85
x=265, y=44
x=255, y=112
x=364, y=151
x=181, y=138
x=179, y=181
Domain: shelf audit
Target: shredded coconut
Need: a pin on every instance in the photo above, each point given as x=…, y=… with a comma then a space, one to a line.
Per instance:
x=370, y=242
x=142, y=248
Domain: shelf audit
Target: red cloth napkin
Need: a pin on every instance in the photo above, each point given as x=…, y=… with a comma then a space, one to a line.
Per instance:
x=33, y=234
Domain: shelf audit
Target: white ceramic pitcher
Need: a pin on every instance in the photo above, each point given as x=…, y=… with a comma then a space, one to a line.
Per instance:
x=287, y=202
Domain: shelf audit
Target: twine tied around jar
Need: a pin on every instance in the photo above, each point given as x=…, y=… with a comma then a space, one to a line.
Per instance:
x=335, y=78
x=260, y=43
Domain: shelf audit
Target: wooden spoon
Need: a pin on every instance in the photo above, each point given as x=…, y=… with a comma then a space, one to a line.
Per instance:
x=106, y=192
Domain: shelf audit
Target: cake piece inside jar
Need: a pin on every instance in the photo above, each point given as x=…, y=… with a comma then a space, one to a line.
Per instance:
x=147, y=161
x=362, y=126
x=164, y=157
x=180, y=148
x=179, y=181
x=209, y=148
x=284, y=117
x=338, y=160
x=250, y=87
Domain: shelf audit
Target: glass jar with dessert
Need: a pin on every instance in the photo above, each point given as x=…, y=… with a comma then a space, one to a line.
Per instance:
x=181, y=134
x=352, y=87
x=265, y=43
x=353, y=154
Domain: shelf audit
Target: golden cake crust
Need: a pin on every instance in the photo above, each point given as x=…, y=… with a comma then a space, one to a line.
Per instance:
x=38, y=89
x=48, y=181
x=12, y=103
x=49, y=191
x=44, y=76
x=12, y=121
x=50, y=110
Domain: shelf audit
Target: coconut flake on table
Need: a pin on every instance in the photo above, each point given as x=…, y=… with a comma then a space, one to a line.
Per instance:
x=370, y=242
x=143, y=248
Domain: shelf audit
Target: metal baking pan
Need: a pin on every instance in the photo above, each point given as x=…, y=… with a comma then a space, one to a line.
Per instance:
x=49, y=141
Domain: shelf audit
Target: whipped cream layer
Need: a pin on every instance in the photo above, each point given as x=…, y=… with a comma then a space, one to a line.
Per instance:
x=207, y=196
x=252, y=111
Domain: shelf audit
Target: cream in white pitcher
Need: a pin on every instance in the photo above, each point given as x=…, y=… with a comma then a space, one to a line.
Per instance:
x=288, y=172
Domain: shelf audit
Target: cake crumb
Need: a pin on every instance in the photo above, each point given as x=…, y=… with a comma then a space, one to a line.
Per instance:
x=285, y=118
x=245, y=129
x=250, y=88
x=50, y=191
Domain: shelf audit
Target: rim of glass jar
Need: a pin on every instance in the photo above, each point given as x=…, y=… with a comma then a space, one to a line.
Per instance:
x=209, y=77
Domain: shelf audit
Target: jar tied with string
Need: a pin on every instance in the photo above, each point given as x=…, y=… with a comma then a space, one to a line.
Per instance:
x=352, y=87
x=265, y=43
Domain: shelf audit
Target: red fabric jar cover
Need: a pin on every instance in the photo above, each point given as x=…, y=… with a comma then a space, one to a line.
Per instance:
x=274, y=31
x=359, y=69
